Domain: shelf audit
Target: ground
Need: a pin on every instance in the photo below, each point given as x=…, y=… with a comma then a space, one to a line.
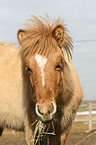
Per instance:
x=78, y=133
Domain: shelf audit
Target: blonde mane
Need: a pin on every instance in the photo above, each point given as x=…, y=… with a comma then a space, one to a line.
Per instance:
x=41, y=36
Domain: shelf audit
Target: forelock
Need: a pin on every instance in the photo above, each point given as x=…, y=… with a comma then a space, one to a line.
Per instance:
x=39, y=37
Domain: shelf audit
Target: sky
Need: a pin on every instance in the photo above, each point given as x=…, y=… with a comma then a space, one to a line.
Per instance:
x=80, y=18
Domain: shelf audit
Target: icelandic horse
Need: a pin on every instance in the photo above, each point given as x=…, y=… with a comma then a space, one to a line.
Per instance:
x=39, y=87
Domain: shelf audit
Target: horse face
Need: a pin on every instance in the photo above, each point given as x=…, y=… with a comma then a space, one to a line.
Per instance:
x=45, y=76
x=45, y=72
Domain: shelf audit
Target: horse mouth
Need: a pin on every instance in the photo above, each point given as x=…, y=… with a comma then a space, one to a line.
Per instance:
x=47, y=118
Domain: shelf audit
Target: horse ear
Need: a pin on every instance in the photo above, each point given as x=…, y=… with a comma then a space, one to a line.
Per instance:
x=58, y=34
x=20, y=35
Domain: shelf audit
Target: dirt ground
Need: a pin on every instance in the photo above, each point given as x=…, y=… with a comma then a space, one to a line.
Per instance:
x=10, y=139
x=73, y=139
x=76, y=135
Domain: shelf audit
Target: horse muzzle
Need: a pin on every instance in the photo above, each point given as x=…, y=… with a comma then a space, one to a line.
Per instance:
x=46, y=111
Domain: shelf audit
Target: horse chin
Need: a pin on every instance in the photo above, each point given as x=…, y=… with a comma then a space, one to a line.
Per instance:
x=47, y=118
x=46, y=121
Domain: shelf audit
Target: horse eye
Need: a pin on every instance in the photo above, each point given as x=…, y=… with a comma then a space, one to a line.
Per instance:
x=58, y=66
x=28, y=69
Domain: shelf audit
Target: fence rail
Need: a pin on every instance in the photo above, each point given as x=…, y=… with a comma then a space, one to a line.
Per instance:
x=86, y=114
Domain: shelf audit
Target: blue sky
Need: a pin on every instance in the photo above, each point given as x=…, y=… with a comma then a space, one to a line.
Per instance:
x=80, y=17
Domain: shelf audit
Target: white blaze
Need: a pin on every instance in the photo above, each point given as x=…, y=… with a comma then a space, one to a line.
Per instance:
x=41, y=61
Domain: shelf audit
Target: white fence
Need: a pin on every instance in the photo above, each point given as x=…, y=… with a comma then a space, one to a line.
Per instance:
x=86, y=110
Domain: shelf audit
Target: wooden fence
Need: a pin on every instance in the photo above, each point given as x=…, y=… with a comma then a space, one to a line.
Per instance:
x=86, y=114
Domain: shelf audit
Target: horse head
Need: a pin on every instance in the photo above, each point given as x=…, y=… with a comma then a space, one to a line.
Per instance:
x=43, y=63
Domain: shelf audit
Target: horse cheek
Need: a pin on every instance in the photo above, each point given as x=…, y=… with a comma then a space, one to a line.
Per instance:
x=58, y=79
x=31, y=81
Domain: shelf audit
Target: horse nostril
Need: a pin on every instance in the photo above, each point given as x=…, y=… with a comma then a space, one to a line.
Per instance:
x=53, y=109
x=39, y=113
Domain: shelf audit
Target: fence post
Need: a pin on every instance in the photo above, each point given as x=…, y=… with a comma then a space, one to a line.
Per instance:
x=90, y=116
